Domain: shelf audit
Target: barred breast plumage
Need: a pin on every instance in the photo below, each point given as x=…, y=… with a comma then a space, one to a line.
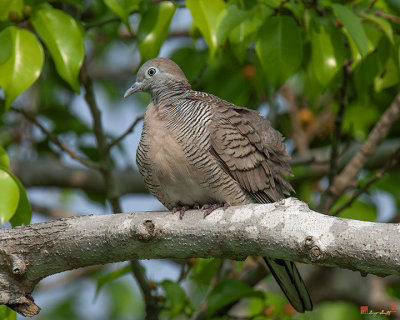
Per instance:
x=198, y=149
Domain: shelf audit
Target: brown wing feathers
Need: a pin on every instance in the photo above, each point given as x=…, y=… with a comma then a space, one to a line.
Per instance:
x=252, y=151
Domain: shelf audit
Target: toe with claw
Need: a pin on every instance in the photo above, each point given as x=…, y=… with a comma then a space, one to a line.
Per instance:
x=181, y=210
x=211, y=207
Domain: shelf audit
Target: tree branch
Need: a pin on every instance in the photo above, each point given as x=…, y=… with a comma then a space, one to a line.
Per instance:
x=393, y=161
x=109, y=182
x=54, y=139
x=337, y=134
x=347, y=176
x=49, y=172
x=287, y=230
x=123, y=135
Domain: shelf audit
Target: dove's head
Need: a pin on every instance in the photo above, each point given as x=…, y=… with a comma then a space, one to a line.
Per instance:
x=159, y=75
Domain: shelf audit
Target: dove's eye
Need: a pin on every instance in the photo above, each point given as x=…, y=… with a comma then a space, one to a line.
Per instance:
x=151, y=71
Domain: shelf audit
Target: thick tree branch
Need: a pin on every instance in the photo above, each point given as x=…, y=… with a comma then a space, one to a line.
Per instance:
x=49, y=172
x=288, y=230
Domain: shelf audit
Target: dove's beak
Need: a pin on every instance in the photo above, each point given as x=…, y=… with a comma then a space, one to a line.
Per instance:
x=135, y=88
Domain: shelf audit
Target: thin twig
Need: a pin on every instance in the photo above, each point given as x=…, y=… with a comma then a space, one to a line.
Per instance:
x=101, y=23
x=105, y=159
x=390, y=17
x=200, y=75
x=128, y=131
x=337, y=134
x=298, y=133
x=55, y=139
x=152, y=309
x=371, y=5
x=393, y=161
x=173, y=34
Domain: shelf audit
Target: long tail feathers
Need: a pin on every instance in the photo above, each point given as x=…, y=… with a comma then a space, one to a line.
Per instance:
x=289, y=279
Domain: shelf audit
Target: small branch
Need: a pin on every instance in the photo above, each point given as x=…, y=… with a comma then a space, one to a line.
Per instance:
x=111, y=187
x=200, y=74
x=173, y=34
x=49, y=172
x=122, y=136
x=299, y=136
x=152, y=309
x=101, y=23
x=105, y=158
x=288, y=230
x=371, y=5
x=337, y=134
x=393, y=161
x=347, y=177
x=55, y=139
x=390, y=17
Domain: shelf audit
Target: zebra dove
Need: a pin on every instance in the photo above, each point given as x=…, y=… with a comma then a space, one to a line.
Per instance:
x=197, y=149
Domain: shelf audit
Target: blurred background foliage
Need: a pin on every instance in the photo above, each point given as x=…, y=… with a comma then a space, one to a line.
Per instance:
x=323, y=73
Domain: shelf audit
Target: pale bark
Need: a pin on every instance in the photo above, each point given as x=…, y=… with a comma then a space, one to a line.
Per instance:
x=287, y=230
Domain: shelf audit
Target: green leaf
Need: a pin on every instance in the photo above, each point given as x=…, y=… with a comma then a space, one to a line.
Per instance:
x=360, y=118
x=7, y=6
x=123, y=8
x=340, y=310
x=227, y=20
x=9, y=196
x=63, y=37
x=388, y=77
x=7, y=314
x=191, y=61
x=327, y=52
x=273, y=3
x=359, y=210
x=384, y=25
x=389, y=183
x=153, y=29
x=353, y=25
x=227, y=291
x=241, y=37
x=279, y=48
x=21, y=61
x=176, y=297
x=23, y=213
x=205, y=15
x=364, y=76
x=393, y=290
x=4, y=160
x=245, y=32
x=101, y=281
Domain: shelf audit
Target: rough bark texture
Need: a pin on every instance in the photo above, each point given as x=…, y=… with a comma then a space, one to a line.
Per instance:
x=287, y=230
